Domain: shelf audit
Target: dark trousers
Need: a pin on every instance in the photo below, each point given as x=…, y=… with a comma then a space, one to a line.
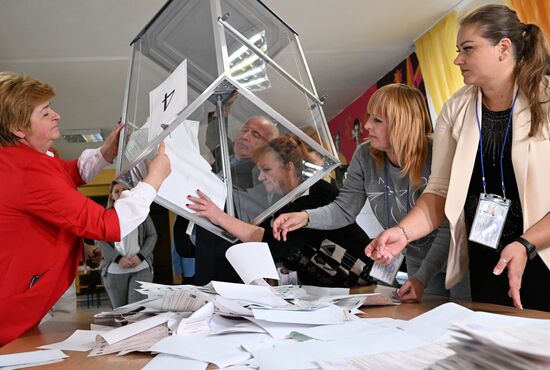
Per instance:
x=487, y=287
x=210, y=261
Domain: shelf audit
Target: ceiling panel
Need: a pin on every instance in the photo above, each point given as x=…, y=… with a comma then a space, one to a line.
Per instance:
x=82, y=48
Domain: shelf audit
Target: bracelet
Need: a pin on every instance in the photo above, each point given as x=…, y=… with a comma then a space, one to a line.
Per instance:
x=307, y=222
x=404, y=232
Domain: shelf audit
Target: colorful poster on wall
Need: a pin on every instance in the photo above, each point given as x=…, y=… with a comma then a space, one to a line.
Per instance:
x=347, y=128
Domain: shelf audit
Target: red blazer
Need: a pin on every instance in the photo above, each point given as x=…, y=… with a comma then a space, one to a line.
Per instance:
x=42, y=220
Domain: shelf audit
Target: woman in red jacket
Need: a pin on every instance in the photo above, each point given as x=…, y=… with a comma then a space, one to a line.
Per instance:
x=42, y=215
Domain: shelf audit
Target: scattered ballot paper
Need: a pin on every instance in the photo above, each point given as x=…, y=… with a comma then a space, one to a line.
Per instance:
x=180, y=300
x=33, y=358
x=326, y=315
x=138, y=336
x=198, y=322
x=260, y=295
x=80, y=340
x=190, y=171
x=416, y=359
x=533, y=343
x=252, y=261
x=163, y=361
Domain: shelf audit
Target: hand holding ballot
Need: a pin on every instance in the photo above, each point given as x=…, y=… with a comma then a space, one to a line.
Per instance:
x=288, y=222
x=158, y=169
x=387, y=245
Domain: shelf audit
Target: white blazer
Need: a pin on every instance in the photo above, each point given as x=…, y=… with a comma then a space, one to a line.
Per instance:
x=456, y=142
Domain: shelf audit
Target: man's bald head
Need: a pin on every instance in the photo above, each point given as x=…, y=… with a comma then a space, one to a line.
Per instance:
x=256, y=132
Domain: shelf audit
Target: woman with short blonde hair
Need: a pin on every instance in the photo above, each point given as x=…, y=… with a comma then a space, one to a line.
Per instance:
x=409, y=127
x=390, y=170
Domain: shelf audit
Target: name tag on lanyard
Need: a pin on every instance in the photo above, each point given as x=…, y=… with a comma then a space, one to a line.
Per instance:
x=491, y=209
x=489, y=220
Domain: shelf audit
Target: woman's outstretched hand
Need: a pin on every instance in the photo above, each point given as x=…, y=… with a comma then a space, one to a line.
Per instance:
x=386, y=245
x=288, y=222
x=158, y=169
x=514, y=258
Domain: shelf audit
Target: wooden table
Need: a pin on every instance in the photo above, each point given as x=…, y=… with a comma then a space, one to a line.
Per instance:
x=64, y=325
x=61, y=327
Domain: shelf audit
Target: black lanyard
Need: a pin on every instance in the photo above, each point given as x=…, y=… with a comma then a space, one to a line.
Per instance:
x=483, y=181
x=386, y=195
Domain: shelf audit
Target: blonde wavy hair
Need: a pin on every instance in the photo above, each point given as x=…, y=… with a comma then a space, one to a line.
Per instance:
x=409, y=127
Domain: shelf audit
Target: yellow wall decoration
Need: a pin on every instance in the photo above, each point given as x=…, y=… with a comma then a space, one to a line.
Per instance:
x=436, y=51
x=533, y=11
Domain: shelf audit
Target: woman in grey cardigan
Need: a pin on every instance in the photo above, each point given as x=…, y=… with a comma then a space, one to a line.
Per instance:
x=128, y=261
x=391, y=171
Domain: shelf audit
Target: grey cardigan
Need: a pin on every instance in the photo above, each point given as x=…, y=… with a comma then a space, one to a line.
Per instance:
x=365, y=180
x=147, y=237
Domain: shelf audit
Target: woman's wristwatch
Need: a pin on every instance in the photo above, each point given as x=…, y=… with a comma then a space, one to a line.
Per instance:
x=531, y=249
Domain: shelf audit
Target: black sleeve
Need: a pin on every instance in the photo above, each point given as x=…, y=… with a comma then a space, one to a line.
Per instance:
x=320, y=193
x=296, y=240
x=350, y=237
x=182, y=242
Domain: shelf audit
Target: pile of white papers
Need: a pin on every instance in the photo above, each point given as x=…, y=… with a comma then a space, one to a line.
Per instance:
x=247, y=326
x=455, y=337
x=447, y=337
x=480, y=344
x=28, y=359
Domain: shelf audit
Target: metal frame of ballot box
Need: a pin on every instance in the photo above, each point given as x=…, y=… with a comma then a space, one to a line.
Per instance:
x=241, y=60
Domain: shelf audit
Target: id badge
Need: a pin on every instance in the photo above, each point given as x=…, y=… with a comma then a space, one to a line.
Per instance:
x=387, y=273
x=489, y=220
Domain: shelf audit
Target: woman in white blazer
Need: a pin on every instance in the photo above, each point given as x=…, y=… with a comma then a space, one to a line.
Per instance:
x=506, y=66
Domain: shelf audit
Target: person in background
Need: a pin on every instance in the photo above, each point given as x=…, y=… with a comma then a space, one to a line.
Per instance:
x=128, y=261
x=491, y=146
x=255, y=132
x=280, y=163
x=203, y=248
x=390, y=170
x=41, y=211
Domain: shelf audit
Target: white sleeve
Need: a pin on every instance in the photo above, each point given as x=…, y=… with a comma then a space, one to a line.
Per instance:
x=90, y=162
x=132, y=207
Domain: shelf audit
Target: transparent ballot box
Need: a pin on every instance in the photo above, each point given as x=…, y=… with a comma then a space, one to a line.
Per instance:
x=218, y=81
